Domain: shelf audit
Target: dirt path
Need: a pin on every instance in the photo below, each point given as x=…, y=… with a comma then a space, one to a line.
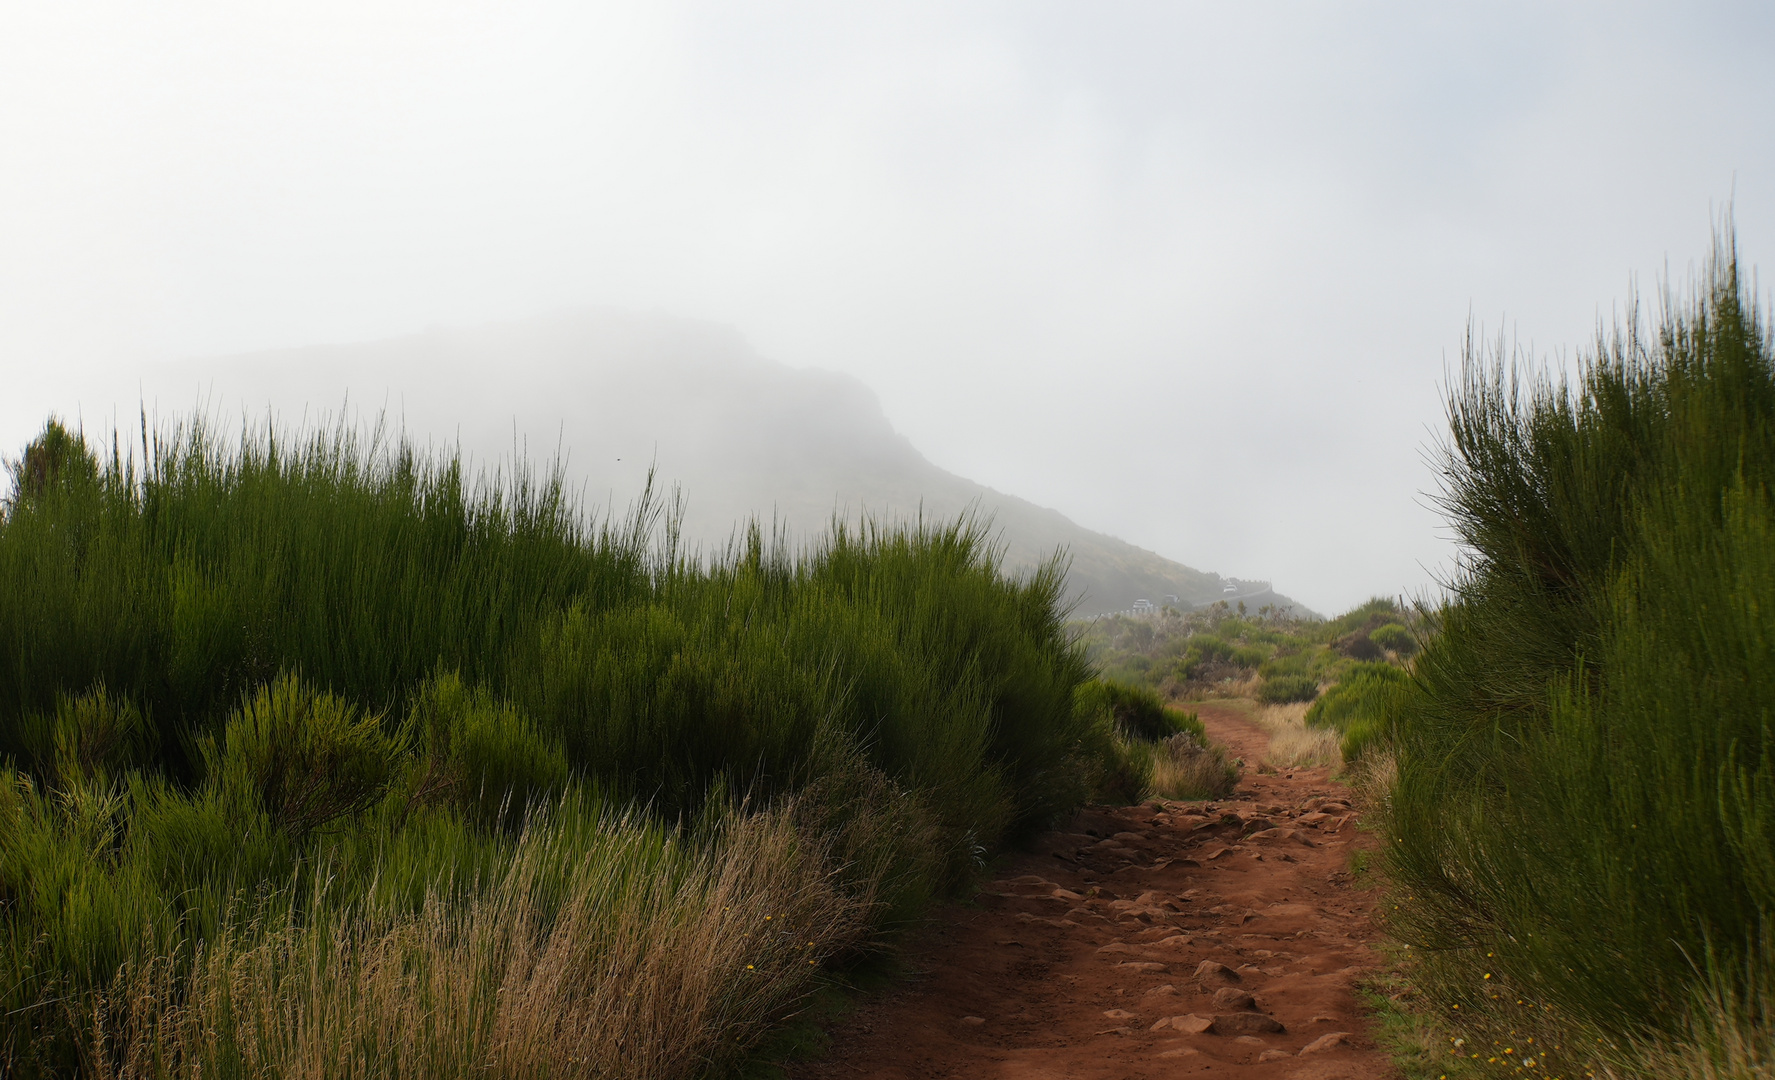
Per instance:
x=1217, y=939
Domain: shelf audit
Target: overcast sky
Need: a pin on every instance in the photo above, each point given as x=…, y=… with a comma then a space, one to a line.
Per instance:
x=1191, y=273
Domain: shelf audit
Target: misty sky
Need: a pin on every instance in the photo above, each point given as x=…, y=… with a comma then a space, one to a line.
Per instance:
x=1191, y=273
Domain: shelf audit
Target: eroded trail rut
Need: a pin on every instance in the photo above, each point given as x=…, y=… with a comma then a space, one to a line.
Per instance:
x=1203, y=939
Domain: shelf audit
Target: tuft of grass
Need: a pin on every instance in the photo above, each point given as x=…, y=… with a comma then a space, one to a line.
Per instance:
x=1187, y=767
x=1293, y=744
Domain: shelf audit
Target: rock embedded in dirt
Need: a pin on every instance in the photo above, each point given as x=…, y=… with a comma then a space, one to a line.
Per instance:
x=1188, y=1023
x=1166, y=988
x=1233, y=999
x=1209, y=970
x=972, y=1021
x=1246, y=1023
x=1326, y=1042
x=1273, y=1055
x=1148, y=966
x=1119, y=1014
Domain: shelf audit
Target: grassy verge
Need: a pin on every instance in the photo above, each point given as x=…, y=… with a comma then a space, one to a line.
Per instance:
x=1421, y=1046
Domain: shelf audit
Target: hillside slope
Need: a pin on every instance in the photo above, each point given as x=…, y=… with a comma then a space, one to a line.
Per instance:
x=614, y=393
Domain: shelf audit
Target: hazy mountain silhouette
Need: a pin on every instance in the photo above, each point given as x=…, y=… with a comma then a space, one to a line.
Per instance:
x=615, y=393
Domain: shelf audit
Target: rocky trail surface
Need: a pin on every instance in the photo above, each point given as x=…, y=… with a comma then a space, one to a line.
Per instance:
x=1168, y=939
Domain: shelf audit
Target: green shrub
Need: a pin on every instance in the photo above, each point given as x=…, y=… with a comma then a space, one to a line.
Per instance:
x=1371, y=613
x=1296, y=662
x=1207, y=649
x=305, y=757
x=1393, y=637
x=1360, y=693
x=1136, y=711
x=1584, y=815
x=1361, y=704
x=481, y=754
x=94, y=736
x=1281, y=689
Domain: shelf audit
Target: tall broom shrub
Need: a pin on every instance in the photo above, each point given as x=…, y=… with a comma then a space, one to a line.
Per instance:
x=1583, y=827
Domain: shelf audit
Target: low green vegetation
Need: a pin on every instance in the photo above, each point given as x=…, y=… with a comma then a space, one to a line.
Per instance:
x=1138, y=712
x=1358, y=705
x=1581, y=836
x=319, y=758
x=1270, y=655
x=1160, y=751
x=1282, y=689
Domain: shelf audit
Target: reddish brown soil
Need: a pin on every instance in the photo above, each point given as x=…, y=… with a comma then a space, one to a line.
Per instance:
x=1066, y=965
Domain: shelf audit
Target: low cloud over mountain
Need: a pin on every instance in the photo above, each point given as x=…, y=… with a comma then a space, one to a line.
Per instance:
x=614, y=394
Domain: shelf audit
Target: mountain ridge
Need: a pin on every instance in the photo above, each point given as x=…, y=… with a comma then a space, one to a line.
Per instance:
x=690, y=403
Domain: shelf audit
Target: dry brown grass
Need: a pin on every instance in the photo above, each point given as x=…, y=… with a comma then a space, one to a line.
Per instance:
x=636, y=970
x=1294, y=745
x=1728, y=1039
x=1371, y=777
x=1183, y=768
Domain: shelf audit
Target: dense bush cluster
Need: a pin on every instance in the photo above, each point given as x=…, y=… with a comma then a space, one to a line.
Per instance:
x=306, y=736
x=1138, y=711
x=1583, y=823
x=1359, y=704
